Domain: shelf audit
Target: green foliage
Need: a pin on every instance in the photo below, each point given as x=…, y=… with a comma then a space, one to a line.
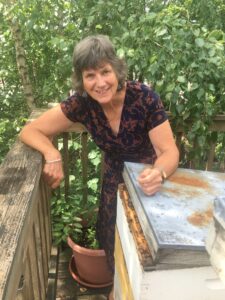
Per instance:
x=66, y=218
x=73, y=216
x=91, y=238
x=220, y=152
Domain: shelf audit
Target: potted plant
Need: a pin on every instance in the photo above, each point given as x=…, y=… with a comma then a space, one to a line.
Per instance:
x=88, y=265
x=76, y=226
x=74, y=220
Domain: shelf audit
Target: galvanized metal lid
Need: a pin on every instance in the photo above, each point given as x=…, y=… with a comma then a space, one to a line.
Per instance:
x=177, y=217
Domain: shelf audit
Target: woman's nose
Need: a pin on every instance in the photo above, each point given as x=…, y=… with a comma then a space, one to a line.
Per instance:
x=100, y=81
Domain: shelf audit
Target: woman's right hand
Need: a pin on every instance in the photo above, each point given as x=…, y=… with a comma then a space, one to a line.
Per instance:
x=38, y=135
x=53, y=171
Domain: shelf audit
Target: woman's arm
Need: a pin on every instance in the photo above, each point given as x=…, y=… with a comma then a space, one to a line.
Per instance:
x=167, y=159
x=39, y=133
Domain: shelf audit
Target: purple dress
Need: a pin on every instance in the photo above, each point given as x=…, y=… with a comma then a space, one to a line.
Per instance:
x=142, y=111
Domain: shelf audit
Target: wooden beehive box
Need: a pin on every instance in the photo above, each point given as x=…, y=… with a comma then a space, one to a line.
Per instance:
x=173, y=224
x=215, y=241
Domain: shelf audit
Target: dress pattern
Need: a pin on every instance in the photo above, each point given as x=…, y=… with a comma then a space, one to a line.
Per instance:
x=142, y=111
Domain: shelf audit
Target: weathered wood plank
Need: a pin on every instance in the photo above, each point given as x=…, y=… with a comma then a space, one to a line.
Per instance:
x=53, y=273
x=84, y=158
x=27, y=290
x=215, y=242
x=42, y=255
x=46, y=214
x=217, y=124
x=33, y=261
x=19, y=197
x=144, y=253
x=66, y=163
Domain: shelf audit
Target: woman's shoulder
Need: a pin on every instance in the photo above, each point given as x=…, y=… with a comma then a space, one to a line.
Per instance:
x=74, y=107
x=75, y=99
x=142, y=89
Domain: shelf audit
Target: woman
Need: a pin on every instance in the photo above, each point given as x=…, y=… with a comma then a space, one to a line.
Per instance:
x=126, y=120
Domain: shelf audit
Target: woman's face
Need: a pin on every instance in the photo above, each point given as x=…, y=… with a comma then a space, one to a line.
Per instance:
x=101, y=83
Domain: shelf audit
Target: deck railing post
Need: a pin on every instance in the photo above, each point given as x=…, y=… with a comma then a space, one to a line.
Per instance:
x=25, y=240
x=84, y=158
x=66, y=163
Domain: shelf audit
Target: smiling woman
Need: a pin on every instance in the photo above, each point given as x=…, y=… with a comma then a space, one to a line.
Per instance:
x=101, y=84
x=126, y=119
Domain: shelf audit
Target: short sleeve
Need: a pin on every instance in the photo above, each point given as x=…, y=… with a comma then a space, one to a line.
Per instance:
x=155, y=112
x=74, y=108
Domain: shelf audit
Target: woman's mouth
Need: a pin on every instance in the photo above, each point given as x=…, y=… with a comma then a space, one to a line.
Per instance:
x=102, y=92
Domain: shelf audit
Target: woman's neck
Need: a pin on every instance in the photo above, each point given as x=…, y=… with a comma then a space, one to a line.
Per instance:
x=116, y=102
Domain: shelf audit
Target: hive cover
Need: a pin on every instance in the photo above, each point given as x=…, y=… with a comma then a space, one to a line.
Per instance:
x=178, y=216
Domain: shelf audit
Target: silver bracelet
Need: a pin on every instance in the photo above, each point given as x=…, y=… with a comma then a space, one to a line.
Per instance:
x=162, y=173
x=53, y=161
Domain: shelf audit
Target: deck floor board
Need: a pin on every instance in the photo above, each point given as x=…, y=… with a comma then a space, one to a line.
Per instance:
x=68, y=288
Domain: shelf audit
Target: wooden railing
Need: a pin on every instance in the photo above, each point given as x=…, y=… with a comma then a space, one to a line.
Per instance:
x=25, y=226
x=208, y=163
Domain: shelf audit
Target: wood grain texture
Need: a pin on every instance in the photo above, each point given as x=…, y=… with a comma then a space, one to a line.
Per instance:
x=143, y=250
x=24, y=244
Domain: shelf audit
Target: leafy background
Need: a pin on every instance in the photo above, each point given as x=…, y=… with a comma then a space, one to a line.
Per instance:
x=176, y=46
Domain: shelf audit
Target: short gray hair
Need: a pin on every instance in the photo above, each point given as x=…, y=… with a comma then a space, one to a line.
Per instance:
x=90, y=53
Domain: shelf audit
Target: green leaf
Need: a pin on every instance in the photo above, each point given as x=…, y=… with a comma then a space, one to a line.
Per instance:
x=199, y=42
x=181, y=79
x=212, y=52
x=130, y=53
x=170, y=87
x=186, y=115
x=217, y=34
x=121, y=52
x=71, y=178
x=77, y=219
x=78, y=225
x=98, y=26
x=93, y=184
x=161, y=32
x=192, y=86
x=212, y=87
x=196, y=32
x=180, y=108
x=151, y=16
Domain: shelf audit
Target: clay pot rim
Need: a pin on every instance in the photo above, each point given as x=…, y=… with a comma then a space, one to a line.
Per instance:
x=87, y=251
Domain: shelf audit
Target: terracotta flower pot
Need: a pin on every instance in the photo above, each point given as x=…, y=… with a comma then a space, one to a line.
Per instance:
x=89, y=266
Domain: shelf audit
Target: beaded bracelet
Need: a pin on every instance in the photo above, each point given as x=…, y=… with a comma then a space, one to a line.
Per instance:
x=53, y=161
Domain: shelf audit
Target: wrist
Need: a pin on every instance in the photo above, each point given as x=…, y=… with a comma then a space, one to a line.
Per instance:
x=52, y=161
x=162, y=172
x=52, y=155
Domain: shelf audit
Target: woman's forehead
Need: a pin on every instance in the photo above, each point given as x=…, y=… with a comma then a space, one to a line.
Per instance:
x=100, y=66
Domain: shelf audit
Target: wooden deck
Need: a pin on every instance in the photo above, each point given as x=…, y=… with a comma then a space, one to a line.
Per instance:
x=68, y=289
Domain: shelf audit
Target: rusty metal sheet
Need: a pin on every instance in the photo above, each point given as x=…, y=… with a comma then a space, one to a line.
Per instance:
x=179, y=215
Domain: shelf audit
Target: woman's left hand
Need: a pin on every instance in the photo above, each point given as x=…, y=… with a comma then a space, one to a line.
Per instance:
x=150, y=180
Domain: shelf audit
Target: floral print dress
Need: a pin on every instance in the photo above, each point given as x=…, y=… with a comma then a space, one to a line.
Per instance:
x=142, y=111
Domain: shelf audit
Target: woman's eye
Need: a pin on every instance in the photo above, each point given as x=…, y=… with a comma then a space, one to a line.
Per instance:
x=89, y=76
